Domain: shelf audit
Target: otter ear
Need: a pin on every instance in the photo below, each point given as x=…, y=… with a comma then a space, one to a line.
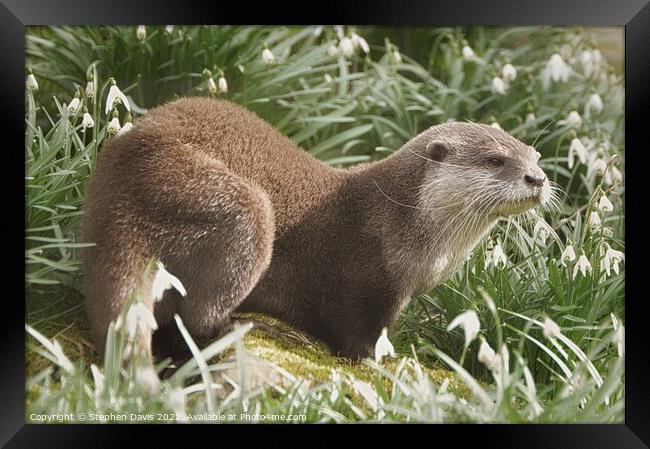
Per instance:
x=437, y=150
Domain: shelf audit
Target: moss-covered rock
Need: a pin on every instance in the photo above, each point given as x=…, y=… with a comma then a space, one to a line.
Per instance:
x=275, y=351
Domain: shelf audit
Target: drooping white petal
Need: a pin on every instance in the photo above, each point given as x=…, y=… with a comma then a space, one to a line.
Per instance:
x=470, y=323
x=90, y=89
x=346, y=46
x=509, y=73
x=360, y=42
x=139, y=317
x=486, y=355
x=30, y=82
x=127, y=126
x=604, y=205
x=87, y=121
x=594, y=220
x=568, y=254
x=468, y=53
x=141, y=32
x=164, y=280
x=594, y=105
x=115, y=96
x=74, y=106
x=222, y=85
x=498, y=86
x=582, y=266
x=212, y=86
x=113, y=126
x=383, y=347
x=267, y=56
x=576, y=148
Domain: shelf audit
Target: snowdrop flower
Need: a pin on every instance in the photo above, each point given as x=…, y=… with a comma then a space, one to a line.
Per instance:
x=222, y=85
x=550, y=329
x=496, y=256
x=90, y=89
x=360, y=42
x=147, y=380
x=540, y=231
x=509, y=73
x=328, y=78
x=594, y=220
x=587, y=61
x=126, y=128
x=383, y=347
x=487, y=356
x=87, y=121
x=573, y=120
x=468, y=53
x=582, y=265
x=139, y=317
x=568, y=254
x=496, y=125
x=115, y=96
x=605, y=205
x=74, y=105
x=98, y=379
x=169, y=29
x=576, y=149
x=333, y=51
x=141, y=32
x=556, y=70
x=113, y=126
x=212, y=86
x=596, y=56
x=175, y=400
x=596, y=166
x=346, y=46
x=615, y=175
x=594, y=104
x=610, y=259
x=397, y=57
x=498, y=86
x=164, y=280
x=267, y=56
x=31, y=83
x=470, y=323
x=530, y=118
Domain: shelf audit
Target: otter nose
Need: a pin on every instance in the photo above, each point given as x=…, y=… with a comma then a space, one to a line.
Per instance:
x=535, y=180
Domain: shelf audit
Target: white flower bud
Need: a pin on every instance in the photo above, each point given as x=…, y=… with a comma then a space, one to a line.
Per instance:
x=267, y=56
x=31, y=83
x=141, y=32
x=509, y=73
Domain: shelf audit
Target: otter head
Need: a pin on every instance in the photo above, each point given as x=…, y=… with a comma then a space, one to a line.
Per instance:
x=479, y=170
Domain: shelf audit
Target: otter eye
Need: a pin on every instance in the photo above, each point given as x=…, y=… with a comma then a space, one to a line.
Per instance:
x=495, y=161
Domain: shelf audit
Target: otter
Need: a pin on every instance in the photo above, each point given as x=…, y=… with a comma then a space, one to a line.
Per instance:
x=250, y=222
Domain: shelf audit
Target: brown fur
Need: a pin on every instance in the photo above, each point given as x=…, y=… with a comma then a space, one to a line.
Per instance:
x=248, y=221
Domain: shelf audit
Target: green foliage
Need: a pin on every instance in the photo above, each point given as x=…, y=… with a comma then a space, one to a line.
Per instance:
x=346, y=109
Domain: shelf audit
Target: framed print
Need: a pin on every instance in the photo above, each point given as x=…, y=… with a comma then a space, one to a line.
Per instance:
x=413, y=214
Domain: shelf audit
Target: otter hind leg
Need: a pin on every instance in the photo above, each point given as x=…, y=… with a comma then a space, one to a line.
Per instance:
x=213, y=230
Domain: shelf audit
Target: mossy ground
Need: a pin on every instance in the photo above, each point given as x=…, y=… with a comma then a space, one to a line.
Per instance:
x=57, y=312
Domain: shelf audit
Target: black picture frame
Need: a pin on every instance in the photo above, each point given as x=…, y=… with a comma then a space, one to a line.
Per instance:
x=634, y=15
